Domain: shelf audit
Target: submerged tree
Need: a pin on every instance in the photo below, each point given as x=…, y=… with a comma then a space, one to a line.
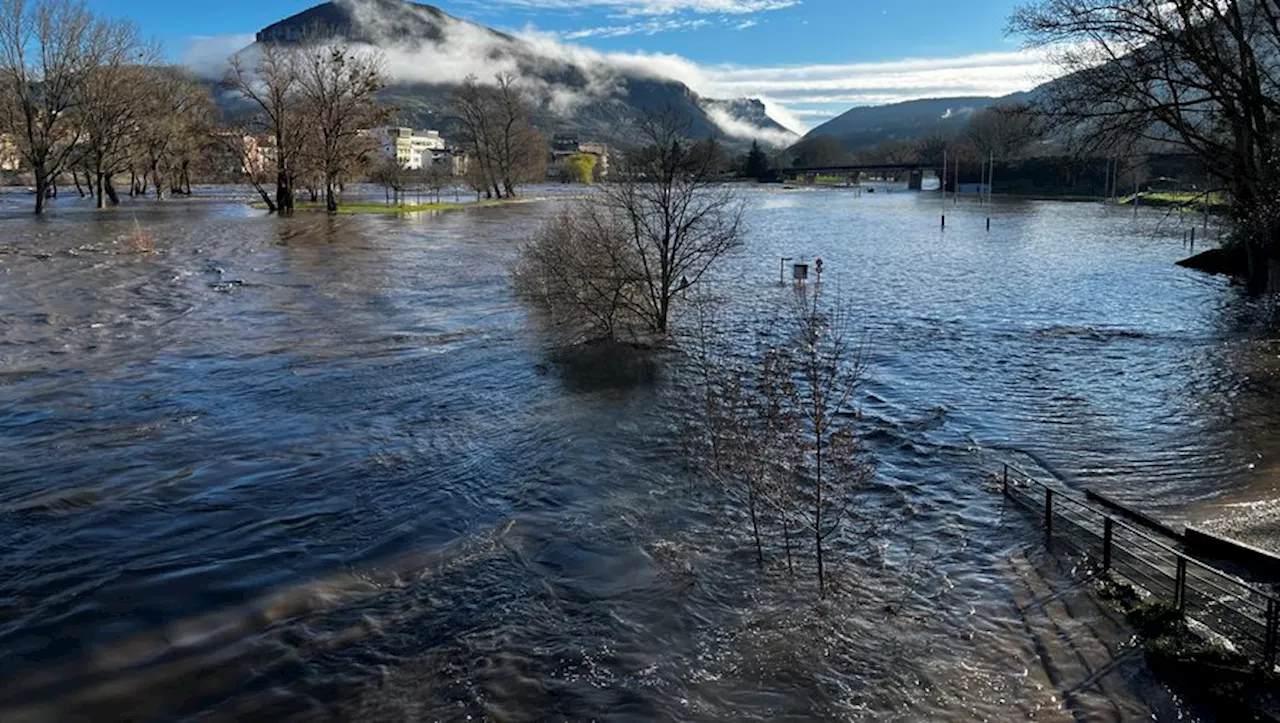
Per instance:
x=48, y=51
x=338, y=89
x=266, y=76
x=677, y=217
x=780, y=436
x=828, y=369
x=109, y=106
x=496, y=125
x=656, y=227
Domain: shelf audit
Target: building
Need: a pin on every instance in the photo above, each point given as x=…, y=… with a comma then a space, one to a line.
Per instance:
x=411, y=149
x=236, y=154
x=564, y=147
x=10, y=159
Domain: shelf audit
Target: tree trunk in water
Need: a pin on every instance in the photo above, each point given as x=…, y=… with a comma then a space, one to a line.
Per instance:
x=42, y=188
x=75, y=178
x=284, y=195
x=1256, y=276
x=133, y=183
x=817, y=518
x=101, y=203
x=330, y=198
x=266, y=197
x=111, y=192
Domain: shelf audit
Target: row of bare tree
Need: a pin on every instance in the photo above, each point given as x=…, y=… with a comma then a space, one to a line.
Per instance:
x=86, y=95
x=315, y=100
x=495, y=125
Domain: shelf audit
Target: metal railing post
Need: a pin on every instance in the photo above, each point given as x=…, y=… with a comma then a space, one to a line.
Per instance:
x=1180, y=586
x=1048, y=513
x=1106, y=543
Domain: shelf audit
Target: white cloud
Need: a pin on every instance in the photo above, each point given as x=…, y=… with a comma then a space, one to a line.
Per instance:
x=654, y=7
x=207, y=54
x=794, y=95
x=746, y=24
x=736, y=128
x=649, y=27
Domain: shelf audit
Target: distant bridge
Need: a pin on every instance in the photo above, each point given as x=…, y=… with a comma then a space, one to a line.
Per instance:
x=914, y=171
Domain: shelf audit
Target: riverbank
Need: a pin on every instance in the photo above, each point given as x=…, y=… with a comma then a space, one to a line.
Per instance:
x=376, y=207
x=372, y=208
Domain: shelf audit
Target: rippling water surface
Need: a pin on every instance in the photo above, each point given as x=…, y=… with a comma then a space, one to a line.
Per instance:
x=319, y=467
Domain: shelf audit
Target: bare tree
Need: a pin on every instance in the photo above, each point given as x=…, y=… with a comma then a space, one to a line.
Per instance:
x=338, y=86
x=1001, y=132
x=655, y=229
x=677, y=217
x=174, y=128
x=1201, y=74
x=47, y=49
x=266, y=75
x=108, y=110
x=245, y=158
x=779, y=435
x=829, y=370
x=582, y=272
x=393, y=178
x=496, y=123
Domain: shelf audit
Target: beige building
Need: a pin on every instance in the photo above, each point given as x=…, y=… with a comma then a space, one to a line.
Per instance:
x=411, y=149
x=10, y=159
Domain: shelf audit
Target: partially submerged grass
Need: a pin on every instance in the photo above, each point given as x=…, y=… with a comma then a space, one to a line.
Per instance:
x=1187, y=199
x=376, y=207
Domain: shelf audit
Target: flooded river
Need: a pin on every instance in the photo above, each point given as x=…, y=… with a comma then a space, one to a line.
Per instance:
x=316, y=467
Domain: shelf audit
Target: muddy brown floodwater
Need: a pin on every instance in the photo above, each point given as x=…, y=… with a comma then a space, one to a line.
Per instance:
x=312, y=467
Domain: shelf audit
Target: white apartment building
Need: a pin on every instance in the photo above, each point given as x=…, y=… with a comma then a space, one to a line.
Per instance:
x=411, y=149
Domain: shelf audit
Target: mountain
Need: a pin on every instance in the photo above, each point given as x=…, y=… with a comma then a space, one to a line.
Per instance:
x=579, y=91
x=906, y=121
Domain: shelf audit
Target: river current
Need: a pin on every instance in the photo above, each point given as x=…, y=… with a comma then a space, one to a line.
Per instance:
x=325, y=467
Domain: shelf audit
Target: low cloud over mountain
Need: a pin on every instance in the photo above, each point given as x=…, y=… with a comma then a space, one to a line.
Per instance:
x=428, y=52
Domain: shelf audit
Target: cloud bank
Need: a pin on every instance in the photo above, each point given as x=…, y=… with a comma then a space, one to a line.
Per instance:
x=653, y=7
x=795, y=96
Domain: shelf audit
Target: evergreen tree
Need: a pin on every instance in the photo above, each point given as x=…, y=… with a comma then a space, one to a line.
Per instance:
x=757, y=165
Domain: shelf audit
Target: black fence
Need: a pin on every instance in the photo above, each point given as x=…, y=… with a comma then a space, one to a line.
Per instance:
x=1242, y=614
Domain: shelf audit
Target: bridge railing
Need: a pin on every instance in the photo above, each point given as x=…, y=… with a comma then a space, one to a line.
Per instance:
x=1244, y=615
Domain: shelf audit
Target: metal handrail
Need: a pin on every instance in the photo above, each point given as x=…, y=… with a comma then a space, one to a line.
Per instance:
x=1178, y=554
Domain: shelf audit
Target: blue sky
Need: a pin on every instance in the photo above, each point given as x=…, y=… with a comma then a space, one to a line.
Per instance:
x=810, y=58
